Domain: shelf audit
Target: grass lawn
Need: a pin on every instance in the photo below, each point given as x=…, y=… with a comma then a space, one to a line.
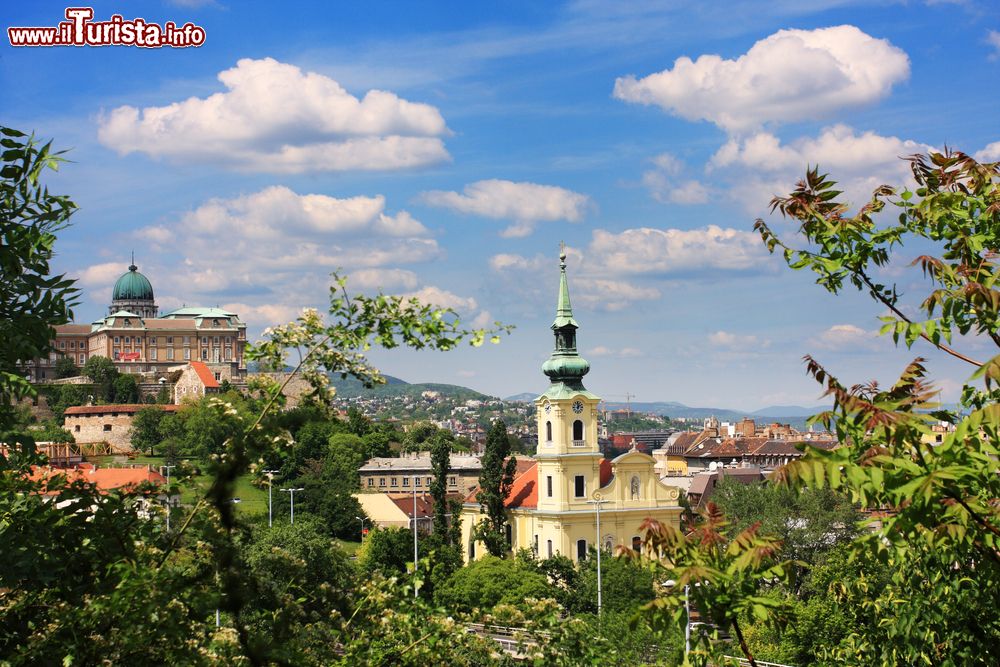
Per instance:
x=253, y=500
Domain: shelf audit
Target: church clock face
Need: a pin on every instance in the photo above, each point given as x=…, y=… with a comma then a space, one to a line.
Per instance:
x=548, y=408
x=578, y=407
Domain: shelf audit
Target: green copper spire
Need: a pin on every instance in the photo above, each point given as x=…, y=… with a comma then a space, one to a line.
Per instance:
x=564, y=365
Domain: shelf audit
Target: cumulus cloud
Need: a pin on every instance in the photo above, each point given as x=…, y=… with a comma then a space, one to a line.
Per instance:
x=101, y=275
x=611, y=295
x=383, y=279
x=846, y=337
x=993, y=39
x=439, y=298
x=622, y=353
x=508, y=261
x=678, y=251
x=989, y=154
x=264, y=314
x=764, y=166
x=789, y=76
x=737, y=342
x=273, y=250
x=665, y=185
x=274, y=117
x=526, y=204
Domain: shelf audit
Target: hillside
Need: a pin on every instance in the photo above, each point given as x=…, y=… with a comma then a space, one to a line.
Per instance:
x=395, y=387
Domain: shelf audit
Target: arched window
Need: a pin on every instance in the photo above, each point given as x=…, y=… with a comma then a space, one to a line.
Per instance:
x=472, y=548
x=581, y=549
x=578, y=430
x=510, y=537
x=636, y=543
x=548, y=431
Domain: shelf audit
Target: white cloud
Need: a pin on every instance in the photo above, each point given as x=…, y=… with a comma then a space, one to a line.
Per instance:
x=439, y=298
x=677, y=251
x=622, y=353
x=789, y=76
x=846, y=337
x=665, y=187
x=989, y=154
x=611, y=295
x=382, y=279
x=524, y=203
x=274, y=117
x=507, y=261
x=762, y=166
x=101, y=275
x=993, y=39
x=265, y=314
x=737, y=342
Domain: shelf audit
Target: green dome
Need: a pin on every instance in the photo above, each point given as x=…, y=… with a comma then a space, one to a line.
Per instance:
x=132, y=286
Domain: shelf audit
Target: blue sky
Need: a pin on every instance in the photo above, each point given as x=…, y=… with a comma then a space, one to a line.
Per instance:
x=445, y=149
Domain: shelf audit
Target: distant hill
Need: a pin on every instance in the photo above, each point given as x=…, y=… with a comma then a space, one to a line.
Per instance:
x=788, y=411
x=524, y=397
x=395, y=387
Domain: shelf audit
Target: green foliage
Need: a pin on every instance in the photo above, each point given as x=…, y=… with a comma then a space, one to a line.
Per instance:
x=65, y=368
x=808, y=522
x=50, y=431
x=126, y=389
x=625, y=585
x=490, y=581
x=103, y=374
x=495, y=480
x=938, y=538
x=726, y=579
x=449, y=532
x=31, y=300
x=60, y=397
x=328, y=484
x=145, y=433
x=386, y=550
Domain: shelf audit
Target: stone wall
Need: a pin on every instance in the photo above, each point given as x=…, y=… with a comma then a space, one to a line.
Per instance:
x=113, y=428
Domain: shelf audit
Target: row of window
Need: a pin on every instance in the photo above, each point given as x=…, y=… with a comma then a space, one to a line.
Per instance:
x=217, y=356
x=53, y=357
x=215, y=323
x=394, y=481
x=153, y=340
x=72, y=345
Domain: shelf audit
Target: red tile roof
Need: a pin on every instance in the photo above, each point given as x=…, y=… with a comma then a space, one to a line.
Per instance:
x=206, y=376
x=524, y=490
x=105, y=479
x=72, y=329
x=425, y=503
x=126, y=408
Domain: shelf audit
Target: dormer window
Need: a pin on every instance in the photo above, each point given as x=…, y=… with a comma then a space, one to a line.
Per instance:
x=215, y=323
x=128, y=322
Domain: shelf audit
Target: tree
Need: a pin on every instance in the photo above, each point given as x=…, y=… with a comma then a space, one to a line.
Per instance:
x=31, y=300
x=625, y=585
x=66, y=368
x=490, y=581
x=145, y=434
x=941, y=530
x=495, y=480
x=102, y=372
x=386, y=550
x=126, y=389
x=450, y=532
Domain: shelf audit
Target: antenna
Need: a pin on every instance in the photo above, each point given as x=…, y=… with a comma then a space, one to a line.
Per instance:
x=628, y=402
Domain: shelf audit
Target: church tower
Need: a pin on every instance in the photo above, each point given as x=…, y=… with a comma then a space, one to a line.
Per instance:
x=568, y=454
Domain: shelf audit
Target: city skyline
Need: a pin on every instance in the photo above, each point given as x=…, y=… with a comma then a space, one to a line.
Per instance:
x=445, y=152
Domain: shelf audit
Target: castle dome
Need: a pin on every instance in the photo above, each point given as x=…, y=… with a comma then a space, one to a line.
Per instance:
x=132, y=286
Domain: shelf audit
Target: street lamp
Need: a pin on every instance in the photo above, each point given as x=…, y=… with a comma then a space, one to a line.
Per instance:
x=687, y=610
x=270, y=483
x=597, y=502
x=291, y=496
x=362, y=520
x=168, y=468
x=415, y=554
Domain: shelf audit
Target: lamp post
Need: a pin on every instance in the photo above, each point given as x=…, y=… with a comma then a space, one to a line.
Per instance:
x=291, y=496
x=270, y=484
x=415, y=553
x=168, y=468
x=597, y=502
x=362, y=520
x=687, y=611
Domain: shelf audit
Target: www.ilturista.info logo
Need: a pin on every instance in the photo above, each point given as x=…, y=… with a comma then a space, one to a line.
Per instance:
x=81, y=30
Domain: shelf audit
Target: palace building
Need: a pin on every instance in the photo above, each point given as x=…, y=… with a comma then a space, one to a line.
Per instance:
x=556, y=501
x=138, y=340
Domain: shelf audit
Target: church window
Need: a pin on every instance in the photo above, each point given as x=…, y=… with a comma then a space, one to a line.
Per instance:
x=472, y=550
x=635, y=487
x=549, y=545
x=548, y=485
x=534, y=545
x=510, y=536
x=636, y=543
x=581, y=549
x=578, y=433
x=548, y=431
x=579, y=486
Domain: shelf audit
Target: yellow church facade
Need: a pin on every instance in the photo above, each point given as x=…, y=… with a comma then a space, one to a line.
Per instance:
x=559, y=495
